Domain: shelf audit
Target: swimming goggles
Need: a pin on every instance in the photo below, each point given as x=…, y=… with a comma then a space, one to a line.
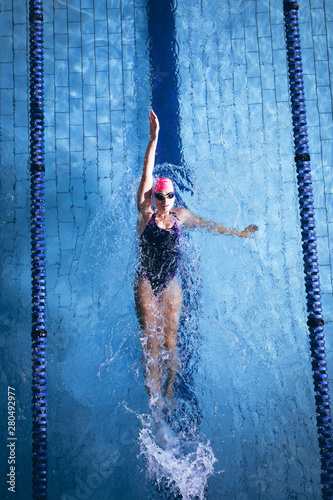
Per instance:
x=161, y=196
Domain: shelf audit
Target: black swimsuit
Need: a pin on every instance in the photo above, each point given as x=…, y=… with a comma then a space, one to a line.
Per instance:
x=158, y=254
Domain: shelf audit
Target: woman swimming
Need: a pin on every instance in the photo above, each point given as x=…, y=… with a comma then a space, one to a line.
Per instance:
x=158, y=294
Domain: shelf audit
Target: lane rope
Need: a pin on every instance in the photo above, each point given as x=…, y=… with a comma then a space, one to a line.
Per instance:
x=309, y=243
x=38, y=251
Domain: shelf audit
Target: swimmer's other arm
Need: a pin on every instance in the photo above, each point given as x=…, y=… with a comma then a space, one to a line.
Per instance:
x=191, y=221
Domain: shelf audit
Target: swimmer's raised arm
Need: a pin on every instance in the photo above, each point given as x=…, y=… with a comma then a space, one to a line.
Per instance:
x=191, y=221
x=146, y=184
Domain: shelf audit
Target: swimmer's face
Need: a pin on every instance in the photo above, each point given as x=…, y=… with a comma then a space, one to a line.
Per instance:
x=164, y=199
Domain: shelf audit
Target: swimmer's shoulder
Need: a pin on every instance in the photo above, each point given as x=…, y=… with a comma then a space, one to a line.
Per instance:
x=182, y=214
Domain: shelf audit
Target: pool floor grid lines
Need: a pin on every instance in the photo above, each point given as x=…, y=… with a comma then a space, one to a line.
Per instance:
x=311, y=269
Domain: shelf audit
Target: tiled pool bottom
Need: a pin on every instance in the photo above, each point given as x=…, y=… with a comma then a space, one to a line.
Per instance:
x=89, y=52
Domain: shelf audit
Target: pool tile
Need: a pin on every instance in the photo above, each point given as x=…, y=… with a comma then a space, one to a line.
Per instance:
x=252, y=62
x=140, y=19
x=75, y=62
x=6, y=53
x=325, y=279
x=88, y=46
x=128, y=60
x=316, y=167
x=116, y=97
x=127, y=12
x=255, y=95
x=328, y=177
x=114, y=21
x=314, y=139
x=267, y=77
x=276, y=14
x=251, y=43
x=89, y=124
x=7, y=96
x=48, y=37
x=62, y=152
x=49, y=139
x=61, y=73
x=310, y=90
x=21, y=139
x=87, y=20
x=306, y=40
x=318, y=22
x=74, y=10
x=128, y=31
x=100, y=9
x=115, y=70
x=263, y=24
x=324, y=100
x=102, y=58
x=101, y=33
x=102, y=83
x=316, y=4
x=320, y=48
x=322, y=73
x=76, y=111
x=62, y=97
x=128, y=83
x=113, y=4
x=63, y=194
x=21, y=113
x=262, y=5
x=115, y=46
x=326, y=126
x=304, y=12
x=265, y=50
x=76, y=138
x=90, y=155
x=238, y=51
x=88, y=71
x=103, y=110
x=87, y=4
x=78, y=193
x=20, y=36
x=74, y=34
x=62, y=125
x=20, y=13
x=7, y=127
x=249, y=13
x=278, y=40
x=104, y=136
x=105, y=164
x=20, y=62
x=60, y=21
x=89, y=98
x=318, y=194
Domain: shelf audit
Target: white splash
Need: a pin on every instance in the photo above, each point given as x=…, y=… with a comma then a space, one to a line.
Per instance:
x=180, y=463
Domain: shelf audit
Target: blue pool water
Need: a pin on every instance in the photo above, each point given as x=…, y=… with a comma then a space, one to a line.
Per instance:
x=244, y=424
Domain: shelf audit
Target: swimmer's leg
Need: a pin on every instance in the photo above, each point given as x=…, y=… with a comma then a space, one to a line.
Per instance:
x=147, y=311
x=170, y=302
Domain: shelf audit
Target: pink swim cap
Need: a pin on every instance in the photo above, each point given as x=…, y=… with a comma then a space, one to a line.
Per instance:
x=163, y=184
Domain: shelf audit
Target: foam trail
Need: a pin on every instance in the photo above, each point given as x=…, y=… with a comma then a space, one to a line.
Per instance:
x=181, y=464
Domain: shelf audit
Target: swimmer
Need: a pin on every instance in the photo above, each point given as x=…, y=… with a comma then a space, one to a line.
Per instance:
x=158, y=295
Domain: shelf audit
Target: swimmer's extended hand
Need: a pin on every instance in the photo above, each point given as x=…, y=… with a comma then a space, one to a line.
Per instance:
x=248, y=231
x=154, y=125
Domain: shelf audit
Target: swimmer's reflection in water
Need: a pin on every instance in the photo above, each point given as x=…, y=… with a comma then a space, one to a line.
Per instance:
x=158, y=294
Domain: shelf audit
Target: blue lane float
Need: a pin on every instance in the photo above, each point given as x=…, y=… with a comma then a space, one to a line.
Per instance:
x=38, y=251
x=311, y=269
